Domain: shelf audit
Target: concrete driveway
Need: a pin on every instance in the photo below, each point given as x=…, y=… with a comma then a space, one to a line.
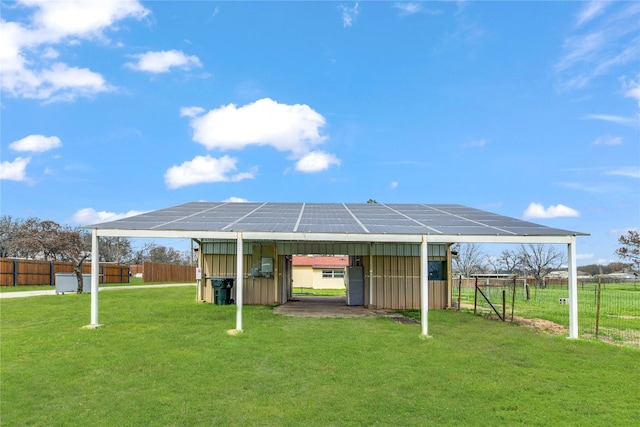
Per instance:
x=315, y=306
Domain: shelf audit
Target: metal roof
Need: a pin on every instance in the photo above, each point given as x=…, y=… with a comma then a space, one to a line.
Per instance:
x=333, y=221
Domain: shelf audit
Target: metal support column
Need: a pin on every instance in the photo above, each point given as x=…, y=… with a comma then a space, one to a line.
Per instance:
x=95, y=278
x=573, y=289
x=370, y=274
x=239, y=284
x=424, y=286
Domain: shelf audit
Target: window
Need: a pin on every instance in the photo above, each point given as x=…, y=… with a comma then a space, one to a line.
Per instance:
x=332, y=273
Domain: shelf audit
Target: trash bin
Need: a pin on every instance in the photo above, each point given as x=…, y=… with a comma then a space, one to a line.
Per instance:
x=222, y=290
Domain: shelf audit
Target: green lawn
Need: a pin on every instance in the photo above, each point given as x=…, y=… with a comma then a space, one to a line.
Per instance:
x=319, y=292
x=164, y=360
x=27, y=288
x=133, y=281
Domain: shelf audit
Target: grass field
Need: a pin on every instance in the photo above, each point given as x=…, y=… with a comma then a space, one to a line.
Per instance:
x=164, y=360
x=319, y=292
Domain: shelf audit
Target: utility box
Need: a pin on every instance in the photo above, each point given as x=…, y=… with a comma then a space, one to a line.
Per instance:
x=266, y=265
x=68, y=282
x=222, y=290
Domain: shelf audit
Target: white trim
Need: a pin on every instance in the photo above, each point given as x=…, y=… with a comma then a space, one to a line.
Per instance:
x=336, y=237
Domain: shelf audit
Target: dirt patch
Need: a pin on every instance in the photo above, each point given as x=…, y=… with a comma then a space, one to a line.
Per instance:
x=542, y=325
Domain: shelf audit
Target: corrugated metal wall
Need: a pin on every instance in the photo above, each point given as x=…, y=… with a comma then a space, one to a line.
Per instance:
x=396, y=284
x=396, y=271
x=256, y=290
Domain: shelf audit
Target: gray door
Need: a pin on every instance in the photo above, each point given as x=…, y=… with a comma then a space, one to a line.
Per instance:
x=355, y=285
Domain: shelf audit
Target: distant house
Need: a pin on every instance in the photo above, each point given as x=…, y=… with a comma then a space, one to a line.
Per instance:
x=319, y=272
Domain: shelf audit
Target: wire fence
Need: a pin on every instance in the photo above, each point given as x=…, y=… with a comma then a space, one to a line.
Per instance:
x=607, y=311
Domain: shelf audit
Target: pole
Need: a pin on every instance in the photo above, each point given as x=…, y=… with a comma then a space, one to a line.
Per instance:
x=598, y=310
x=573, y=289
x=95, y=277
x=513, y=298
x=424, y=286
x=459, y=289
x=504, y=303
x=239, y=283
x=475, y=297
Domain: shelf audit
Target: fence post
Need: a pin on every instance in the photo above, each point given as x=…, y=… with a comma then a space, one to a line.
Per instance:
x=15, y=272
x=51, y=273
x=459, y=290
x=475, y=297
x=504, y=303
x=513, y=298
x=598, y=309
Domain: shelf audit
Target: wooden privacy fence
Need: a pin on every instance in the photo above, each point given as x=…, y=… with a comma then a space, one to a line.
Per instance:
x=156, y=272
x=21, y=272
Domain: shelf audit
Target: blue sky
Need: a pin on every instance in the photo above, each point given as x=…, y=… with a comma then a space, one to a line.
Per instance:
x=526, y=109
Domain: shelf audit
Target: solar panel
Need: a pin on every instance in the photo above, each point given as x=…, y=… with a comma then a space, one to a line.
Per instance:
x=336, y=218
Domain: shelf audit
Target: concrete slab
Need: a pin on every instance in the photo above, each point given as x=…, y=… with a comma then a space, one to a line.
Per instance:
x=316, y=306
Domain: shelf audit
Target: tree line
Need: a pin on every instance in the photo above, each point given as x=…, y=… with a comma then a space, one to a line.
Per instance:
x=539, y=260
x=33, y=238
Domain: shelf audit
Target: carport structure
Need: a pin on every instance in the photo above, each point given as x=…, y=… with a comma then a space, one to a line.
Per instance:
x=230, y=230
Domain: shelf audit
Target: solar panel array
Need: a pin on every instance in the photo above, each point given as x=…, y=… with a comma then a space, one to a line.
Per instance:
x=335, y=218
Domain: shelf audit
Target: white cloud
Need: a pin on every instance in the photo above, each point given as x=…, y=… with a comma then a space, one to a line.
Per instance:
x=316, y=161
x=632, y=89
x=88, y=216
x=608, y=140
x=611, y=40
x=191, y=111
x=296, y=129
x=204, y=169
x=393, y=185
x=349, y=14
x=233, y=199
x=36, y=143
x=630, y=171
x=15, y=170
x=163, y=61
x=265, y=122
x=28, y=47
x=476, y=143
x=613, y=119
x=537, y=210
x=582, y=257
x=408, y=8
x=590, y=11
x=50, y=53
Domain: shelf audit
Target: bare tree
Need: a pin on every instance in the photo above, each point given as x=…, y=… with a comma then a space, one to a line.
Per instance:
x=630, y=248
x=115, y=249
x=539, y=260
x=511, y=261
x=8, y=236
x=166, y=255
x=75, y=246
x=470, y=259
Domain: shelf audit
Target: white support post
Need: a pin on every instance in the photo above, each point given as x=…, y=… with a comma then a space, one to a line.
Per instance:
x=370, y=274
x=573, y=289
x=239, y=284
x=95, y=278
x=424, y=286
